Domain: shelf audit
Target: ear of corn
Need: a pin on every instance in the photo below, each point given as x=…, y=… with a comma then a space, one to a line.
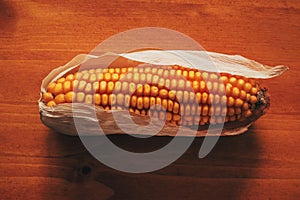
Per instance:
x=158, y=92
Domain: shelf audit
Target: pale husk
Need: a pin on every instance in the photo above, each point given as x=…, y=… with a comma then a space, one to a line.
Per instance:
x=61, y=117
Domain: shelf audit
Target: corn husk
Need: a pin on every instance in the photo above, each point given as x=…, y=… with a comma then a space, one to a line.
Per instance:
x=61, y=117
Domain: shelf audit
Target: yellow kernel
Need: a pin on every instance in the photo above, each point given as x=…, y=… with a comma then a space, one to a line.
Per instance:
x=140, y=104
x=247, y=113
x=164, y=103
x=210, y=98
x=115, y=77
x=51, y=103
x=70, y=77
x=196, y=86
x=133, y=101
x=162, y=116
x=202, y=86
x=198, y=97
x=125, y=87
x=179, y=95
x=107, y=77
x=154, y=91
x=209, y=86
x=117, y=70
x=239, y=102
x=211, y=111
x=158, y=103
x=248, y=96
x=147, y=90
x=60, y=99
x=88, y=99
x=110, y=87
x=235, y=92
x=85, y=76
x=172, y=95
x=93, y=78
x=95, y=87
x=253, y=99
x=240, y=83
x=143, y=112
x=204, y=110
x=176, y=117
x=218, y=110
x=204, y=98
x=152, y=101
x=245, y=106
x=232, y=80
x=205, y=76
x=217, y=99
x=102, y=88
x=170, y=105
x=75, y=84
x=97, y=99
x=163, y=93
x=223, y=100
x=185, y=97
x=230, y=101
x=181, y=85
x=58, y=88
x=224, y=79
x=168, y=116
x=81, y=85
x=127, y=101
x=238, y=111
x=243, y=94
x=215, y=87
x=166, y=74
x=155, y=79
x=80, y=97
x=191, y=75
x=111, y=70
x=78, y=75
x=51, y=87
x=230, y=111
x=187, y=110
x=149, y=78
x=146, y=102
x=67, y=86
x=139, y=90
x=69, y=97
x=173, y=84
x=247, y=87
x=47, y=96
x=254, y=91
x=228, y=89
x=176, y=107
x=61, y=80
x=120, y=99
x=112, y=99
x=221, y=89
x=198, y=76
x=104, y=99
x=100, y=76
x=88, y=88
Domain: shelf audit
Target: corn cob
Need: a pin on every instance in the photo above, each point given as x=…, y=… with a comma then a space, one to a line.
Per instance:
x=139, y=89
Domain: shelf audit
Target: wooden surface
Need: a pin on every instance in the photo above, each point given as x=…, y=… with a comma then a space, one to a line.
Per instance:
x=37, y=163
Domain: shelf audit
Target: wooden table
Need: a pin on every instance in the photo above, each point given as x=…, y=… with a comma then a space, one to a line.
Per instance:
x=37, y=163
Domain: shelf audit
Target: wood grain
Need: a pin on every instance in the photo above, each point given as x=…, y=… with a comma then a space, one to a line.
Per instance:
x=36, y=163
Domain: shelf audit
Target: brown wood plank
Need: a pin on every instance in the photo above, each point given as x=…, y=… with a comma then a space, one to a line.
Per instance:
x=37, y=163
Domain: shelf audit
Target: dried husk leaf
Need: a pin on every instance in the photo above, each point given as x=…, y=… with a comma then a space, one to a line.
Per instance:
x=61, y=117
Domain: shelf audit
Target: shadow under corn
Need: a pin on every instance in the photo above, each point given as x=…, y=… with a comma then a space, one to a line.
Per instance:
x=221, y=174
